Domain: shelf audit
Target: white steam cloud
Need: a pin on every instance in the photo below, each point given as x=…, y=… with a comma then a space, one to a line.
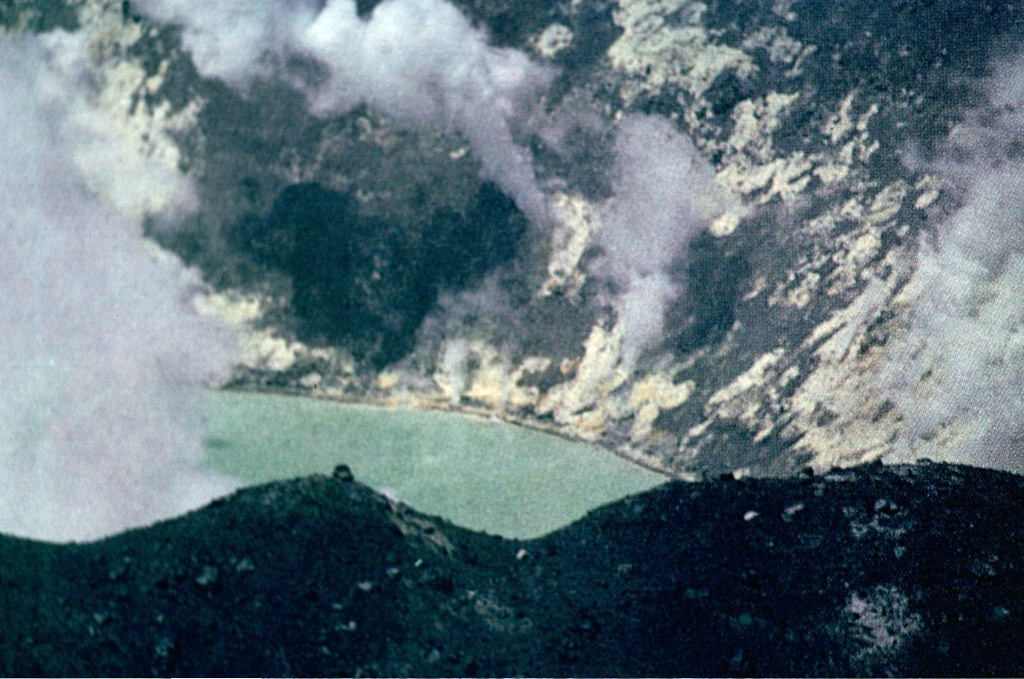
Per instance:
x=957, y=377
x=419, y=61
x=103, y=360
x=663, y=194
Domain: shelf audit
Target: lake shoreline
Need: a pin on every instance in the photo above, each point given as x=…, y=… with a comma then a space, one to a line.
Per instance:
x=421, y=403
x=477, y=472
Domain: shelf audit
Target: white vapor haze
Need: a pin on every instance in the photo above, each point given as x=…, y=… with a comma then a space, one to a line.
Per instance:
x=664, y=194
x=419, y=61
x=957, y=377
x=103, y=359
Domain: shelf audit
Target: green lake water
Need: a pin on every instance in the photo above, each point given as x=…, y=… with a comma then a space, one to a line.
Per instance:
x=484, y=475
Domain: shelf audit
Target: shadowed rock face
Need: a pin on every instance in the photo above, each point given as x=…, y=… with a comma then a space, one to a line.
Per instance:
x=364, y=282
x=865, y=571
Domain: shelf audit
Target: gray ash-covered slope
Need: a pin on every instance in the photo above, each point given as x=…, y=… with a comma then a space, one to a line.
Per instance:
x=370, y=261
x=867, y=571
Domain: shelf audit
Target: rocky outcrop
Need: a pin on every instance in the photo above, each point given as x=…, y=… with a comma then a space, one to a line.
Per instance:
x=902, y=571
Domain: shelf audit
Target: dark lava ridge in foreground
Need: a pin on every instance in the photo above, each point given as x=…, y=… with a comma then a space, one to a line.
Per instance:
x=905, y=570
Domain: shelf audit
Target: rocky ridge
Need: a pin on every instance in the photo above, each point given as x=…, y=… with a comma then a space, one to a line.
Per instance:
x=885, y=571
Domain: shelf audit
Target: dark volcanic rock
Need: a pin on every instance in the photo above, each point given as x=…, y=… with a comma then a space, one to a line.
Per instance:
x=366, y=282
x=875, y=570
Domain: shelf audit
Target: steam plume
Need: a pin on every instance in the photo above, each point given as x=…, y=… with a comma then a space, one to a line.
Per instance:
x=663, y=194
x=957, y=376
x=419, y=61
x=102, y=358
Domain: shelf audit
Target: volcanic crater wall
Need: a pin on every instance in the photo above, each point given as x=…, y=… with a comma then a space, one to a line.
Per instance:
x=368, y=259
